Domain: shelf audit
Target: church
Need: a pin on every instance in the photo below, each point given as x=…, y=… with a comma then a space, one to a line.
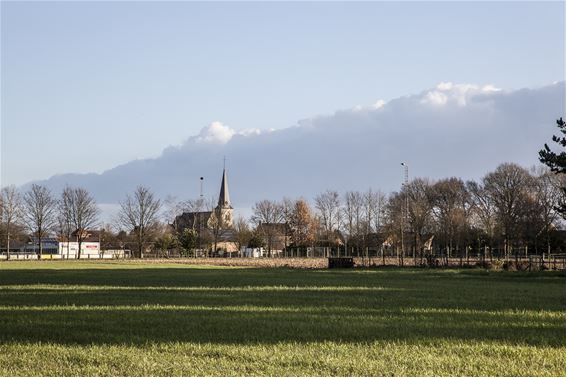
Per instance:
x=214, y=226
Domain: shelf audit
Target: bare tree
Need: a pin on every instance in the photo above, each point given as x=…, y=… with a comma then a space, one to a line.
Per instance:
x=419, y=214
x=483, y=209
x=368, y=211
x=395, y=221
x=11, y=206
x=65, y=216
x=302, y=224
x=196, y=206
x=287, y=210
x=374, y=211
x=378, y=203
x=548, y=195
x=507, y=187
x=173, y=209
x=215, y=224
x=84, y=214
x=328, y=206
x=450, y=203
x=267, y=215
x=39, y=212
x=243, y=233
x=353, y=214
x=374, y=207
x=139, y=213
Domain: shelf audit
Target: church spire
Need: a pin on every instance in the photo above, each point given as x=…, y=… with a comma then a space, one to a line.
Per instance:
x=224, y=197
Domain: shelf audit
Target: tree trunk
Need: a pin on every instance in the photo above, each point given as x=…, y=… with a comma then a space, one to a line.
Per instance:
x=40, y=247
x=140, y=244
x=8, y=244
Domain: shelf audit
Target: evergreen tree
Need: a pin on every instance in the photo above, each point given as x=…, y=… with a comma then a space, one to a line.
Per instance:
x=557, y=161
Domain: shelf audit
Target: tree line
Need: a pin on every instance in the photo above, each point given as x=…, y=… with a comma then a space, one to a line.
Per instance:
x=509, y=208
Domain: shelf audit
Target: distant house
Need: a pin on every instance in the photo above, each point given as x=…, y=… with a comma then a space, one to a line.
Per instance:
x=331, y=239
x=49, y=245
x=15, y=246
x=90, y=245
x=252, y=252
x=277, y=236
x=62, y=248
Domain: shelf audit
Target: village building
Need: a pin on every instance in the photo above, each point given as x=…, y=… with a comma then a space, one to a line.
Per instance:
x=214, y=226
x=277, y=237
x=90, y=245
x=63, y=248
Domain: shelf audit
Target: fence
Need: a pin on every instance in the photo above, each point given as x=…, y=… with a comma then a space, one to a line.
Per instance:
x=104, y=254
x=316, y=257
x=19, y=256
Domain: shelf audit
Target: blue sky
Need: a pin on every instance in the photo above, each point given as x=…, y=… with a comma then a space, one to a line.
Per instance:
x=87, y=86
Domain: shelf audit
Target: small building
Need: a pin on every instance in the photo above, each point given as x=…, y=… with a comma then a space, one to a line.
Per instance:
x=90, y=245
x=18, y=250
x=252, y=252
x=61, y=248
x=277, y=236
x=49, y=245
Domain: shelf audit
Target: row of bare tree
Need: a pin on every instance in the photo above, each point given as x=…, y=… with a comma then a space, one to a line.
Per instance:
x=39, y=214
x=508, y=207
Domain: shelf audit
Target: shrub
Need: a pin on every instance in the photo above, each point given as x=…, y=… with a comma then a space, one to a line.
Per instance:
x=509, y=266
x=432, y=261
x=497, y=264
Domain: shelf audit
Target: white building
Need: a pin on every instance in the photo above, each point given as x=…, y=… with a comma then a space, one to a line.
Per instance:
x=69, y=250
x=252, y=252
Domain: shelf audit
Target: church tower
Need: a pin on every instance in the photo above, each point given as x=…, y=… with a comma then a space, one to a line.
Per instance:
x=224, y=208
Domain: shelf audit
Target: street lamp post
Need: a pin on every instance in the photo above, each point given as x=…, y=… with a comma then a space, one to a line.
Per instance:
x=199, y=218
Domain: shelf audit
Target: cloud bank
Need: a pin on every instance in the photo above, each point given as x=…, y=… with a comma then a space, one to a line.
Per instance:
x=450, y=130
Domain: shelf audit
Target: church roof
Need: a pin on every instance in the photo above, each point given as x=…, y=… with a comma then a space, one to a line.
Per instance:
x=224, y=197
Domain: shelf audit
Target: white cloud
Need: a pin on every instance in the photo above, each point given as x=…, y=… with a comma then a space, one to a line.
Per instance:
x=435, y=97
x=215, y=133
x=459, y=94
x=490, y=88
x=471, y=130
x=444, y=86
x=220, y=134
x=379, y=104
x=250, y=132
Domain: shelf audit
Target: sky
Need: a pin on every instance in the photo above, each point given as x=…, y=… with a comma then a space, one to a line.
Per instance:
x=87, y=86
x=450, y=130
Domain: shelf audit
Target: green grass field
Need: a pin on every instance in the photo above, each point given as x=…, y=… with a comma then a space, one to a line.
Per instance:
x=144, y=319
